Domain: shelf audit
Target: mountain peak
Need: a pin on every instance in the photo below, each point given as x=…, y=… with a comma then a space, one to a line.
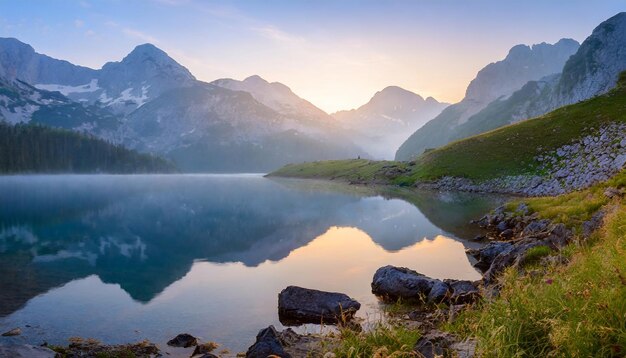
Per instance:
x=522, y=64
x=255, y=79
x=595, y=67
x=395, y=93
x=147, y=51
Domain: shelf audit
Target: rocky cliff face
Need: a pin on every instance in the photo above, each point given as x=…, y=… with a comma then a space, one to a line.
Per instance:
x=388, y=119
x=595, y=68
x=497, y=81
x=522, y=64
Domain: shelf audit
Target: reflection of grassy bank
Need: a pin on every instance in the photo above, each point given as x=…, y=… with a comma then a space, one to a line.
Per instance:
x=450, y=211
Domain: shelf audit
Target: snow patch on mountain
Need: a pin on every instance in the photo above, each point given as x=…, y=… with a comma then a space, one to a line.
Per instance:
x=92, y=86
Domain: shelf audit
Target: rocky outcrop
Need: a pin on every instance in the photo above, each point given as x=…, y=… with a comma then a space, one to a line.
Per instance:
x=523, y=232
x=392, y=283
x=297, y=305
x=591, y=159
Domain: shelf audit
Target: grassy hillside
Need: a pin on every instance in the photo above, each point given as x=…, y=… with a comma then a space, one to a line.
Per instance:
x=505, y=151
x=39, y=149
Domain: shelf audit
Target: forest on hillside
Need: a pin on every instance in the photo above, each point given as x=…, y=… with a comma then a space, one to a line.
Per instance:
x=28, y=148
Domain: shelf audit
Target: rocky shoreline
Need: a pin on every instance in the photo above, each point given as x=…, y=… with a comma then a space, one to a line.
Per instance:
x=512, y=239
x=578, y=165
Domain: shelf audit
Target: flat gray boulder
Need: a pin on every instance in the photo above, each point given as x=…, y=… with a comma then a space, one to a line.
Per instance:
x=297, y=305
x=392, y=283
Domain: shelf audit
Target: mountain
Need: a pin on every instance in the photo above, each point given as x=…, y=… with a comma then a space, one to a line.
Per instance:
x=209, y=128
x=276, y=96
x=593, y=70
x=497, y=81
x=388, y=119
x=568, y=149
x=143, y=75
x=149, y=102
x=596, y=66
x=20, y=61
x=23, y=103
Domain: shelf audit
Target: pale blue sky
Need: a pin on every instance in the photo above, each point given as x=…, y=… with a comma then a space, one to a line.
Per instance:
x=336, y=54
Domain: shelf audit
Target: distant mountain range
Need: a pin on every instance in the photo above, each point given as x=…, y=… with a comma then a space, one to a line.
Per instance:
x=585, y=71
x=151, y=103
x=388, y=119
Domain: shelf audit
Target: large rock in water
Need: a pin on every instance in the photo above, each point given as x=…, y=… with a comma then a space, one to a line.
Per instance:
x=392, y=283
x=297, y=305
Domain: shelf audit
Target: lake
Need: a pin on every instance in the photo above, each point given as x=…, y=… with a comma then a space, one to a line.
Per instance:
x=124, y=258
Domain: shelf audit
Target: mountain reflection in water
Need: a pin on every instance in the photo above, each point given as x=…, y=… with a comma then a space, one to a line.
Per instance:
x=133, y=257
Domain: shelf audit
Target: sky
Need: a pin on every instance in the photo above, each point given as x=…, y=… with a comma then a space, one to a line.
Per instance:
x=335, y=53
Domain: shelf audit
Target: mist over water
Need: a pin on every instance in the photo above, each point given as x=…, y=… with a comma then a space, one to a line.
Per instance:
x=125, y=258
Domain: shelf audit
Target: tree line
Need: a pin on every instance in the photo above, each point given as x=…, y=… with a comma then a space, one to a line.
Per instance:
x=27, y=148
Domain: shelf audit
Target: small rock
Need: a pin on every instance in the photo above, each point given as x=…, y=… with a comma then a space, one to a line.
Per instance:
x=488, y=253
x=464, y=349
x=204, y=348
x=297, y=305
x=267, y=344
x=184, y=340
x=502, y=226
x=507, y=234
x=611, y=192
x=592, y=225
x=433, y=344
x=13, y=332
x=462, y=291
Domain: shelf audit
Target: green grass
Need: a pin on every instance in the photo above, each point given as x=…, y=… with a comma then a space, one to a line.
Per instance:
x=576, y=310
x=509, y=150
x=350, y=170
x=382, y=340
x=535, y=254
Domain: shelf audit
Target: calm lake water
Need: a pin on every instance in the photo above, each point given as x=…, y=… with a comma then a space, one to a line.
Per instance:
x=126, y=258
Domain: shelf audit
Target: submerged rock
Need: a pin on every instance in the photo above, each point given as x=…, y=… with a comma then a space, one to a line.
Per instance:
x=184, y=340
x=392, y=283
x=13, y=332
x=267, y=344
x=26, y=351
x=297, y=305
